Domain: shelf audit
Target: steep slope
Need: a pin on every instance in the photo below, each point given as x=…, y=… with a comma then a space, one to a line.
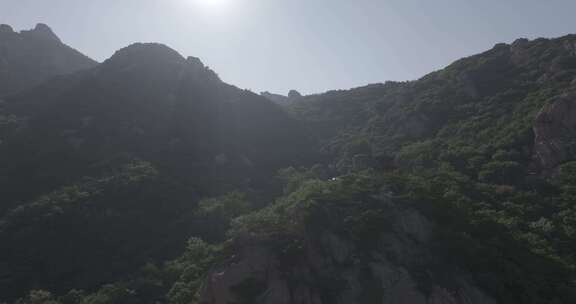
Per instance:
x=487, y=102
x=111, y=161
x=31, y=57
x=481, y=150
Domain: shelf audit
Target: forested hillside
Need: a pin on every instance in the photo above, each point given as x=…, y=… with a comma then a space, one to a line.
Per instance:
x=146, y=179
x=102, y=170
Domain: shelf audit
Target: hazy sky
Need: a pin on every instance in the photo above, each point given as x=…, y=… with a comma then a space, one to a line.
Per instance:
x=308, y=45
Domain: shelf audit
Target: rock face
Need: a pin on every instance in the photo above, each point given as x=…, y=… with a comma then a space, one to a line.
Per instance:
x=275, y=98
x=293, y=96
x=30, y=57
x=329, y=269
x=555, y=130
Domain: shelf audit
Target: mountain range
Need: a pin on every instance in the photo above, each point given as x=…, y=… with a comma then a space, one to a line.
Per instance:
x=147, y=179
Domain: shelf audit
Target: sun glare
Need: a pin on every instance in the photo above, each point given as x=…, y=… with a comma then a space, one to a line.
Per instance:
x=214, y=2
x=213, y=5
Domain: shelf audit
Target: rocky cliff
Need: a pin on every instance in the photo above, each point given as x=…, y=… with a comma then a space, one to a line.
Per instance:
x=330, y=268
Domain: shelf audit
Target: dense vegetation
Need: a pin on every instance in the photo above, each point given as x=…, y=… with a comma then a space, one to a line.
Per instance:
x=110, y=164
x=461, y=142
x=106, y=178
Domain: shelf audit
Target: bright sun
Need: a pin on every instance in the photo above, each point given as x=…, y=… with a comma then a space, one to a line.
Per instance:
x=213, y=4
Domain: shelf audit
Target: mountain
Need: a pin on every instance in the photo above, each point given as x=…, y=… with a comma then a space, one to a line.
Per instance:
x=111, y=161
x=455, y=188
x=146, y=179
x=149, y=102
x=484, y=150
x=31, y=57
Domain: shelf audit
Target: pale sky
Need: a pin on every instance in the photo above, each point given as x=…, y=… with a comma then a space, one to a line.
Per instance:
x=308, y=45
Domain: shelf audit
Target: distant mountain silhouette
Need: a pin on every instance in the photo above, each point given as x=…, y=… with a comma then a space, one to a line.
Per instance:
x=30, y=57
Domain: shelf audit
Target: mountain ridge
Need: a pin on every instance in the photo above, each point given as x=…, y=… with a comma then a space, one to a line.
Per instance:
x=30, y=57
x=456, y=188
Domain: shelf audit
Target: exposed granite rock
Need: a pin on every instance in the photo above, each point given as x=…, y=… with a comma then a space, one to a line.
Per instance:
x=555, y=130
x=275, y=98
x=41, y=32
x=293, y=96
x=519, y=51
x=331, y=269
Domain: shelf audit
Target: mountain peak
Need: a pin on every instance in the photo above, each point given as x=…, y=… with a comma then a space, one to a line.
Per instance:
x=42, y=31
x=149, y=49
x=5, y=28
x=30, y=57
x=42, y=27
x=195, y=62
x=145, y=54
x=293, y=94
x=157, y=60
